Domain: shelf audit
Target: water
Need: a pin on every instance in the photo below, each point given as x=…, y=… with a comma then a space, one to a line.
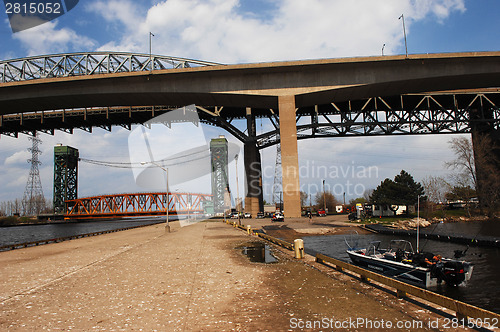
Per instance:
x=259, y=252
x=483, y=290
x=31, y=233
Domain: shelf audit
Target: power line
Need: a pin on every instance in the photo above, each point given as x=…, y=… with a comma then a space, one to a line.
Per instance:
x=163, y=162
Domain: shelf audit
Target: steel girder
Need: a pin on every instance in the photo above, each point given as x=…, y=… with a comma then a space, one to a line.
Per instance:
x=410, y=114
x=141, y=204
x=402, y=115
x=80, y=64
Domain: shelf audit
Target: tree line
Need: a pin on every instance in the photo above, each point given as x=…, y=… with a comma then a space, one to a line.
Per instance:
x=475, y=180
x=24, y=207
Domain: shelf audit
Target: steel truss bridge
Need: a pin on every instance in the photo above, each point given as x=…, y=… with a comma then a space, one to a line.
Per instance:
x=95, y=63
x=141, y=204
x=408, y=114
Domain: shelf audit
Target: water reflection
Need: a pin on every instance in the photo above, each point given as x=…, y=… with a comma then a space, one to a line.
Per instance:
x=259, y=252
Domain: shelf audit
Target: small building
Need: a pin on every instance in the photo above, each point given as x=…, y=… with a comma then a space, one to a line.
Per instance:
x=383, y=210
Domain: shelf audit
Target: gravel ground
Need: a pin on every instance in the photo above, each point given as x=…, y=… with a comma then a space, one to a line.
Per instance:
x=192, y=279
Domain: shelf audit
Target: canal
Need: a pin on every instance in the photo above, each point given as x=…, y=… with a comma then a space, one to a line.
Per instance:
x=31, y=233
x=483, y=290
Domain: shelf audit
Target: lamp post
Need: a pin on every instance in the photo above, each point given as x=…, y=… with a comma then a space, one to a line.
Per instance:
x=324, y=200
x=404, y=33
x=418, y=220
x=237, y=190
x=151, y=50
x=167, y=226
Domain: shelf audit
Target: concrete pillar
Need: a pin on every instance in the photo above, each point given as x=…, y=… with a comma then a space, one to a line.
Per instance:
x=289, y=157
x=254, y=200
x=486, y=144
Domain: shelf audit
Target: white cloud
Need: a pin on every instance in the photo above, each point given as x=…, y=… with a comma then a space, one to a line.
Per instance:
x=217, y=30
x=440, y=9
x=17, y=158
x=48, y=39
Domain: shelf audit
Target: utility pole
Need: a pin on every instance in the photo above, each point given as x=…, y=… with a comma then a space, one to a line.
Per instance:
x=324, y=199
x=33, y=199
x=278, y=177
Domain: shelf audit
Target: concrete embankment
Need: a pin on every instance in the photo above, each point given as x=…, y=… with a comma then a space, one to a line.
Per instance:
x=192, y=279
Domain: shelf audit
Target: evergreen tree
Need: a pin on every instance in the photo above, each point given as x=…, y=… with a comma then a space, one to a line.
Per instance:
x=407, y=189
x=402, y=191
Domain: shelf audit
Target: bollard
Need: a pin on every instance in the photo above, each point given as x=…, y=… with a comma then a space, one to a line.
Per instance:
x=249, y=229
x=298, y=245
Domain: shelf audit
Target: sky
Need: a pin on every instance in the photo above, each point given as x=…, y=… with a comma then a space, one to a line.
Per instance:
x=249, y=31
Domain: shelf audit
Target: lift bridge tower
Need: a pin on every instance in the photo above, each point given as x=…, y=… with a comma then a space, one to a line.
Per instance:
x=220, y=183
x=65, y=176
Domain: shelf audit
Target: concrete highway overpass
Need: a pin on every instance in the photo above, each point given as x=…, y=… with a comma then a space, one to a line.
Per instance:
x=244, y=90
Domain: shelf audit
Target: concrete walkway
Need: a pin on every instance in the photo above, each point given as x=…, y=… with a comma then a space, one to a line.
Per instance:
x=191, y=279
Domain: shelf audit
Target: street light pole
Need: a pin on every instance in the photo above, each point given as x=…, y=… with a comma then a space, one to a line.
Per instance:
x=324, y=200
x=167, y=226
x=404, y=33
x=237, y=190
x=151, y=49
x=418, y=220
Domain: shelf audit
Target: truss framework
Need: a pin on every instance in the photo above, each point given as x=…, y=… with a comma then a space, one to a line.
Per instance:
x=411, y=114
x=141, y=204
x=406, y=115
x=93, y=63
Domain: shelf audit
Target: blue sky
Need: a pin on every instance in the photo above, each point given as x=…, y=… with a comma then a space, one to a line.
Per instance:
x=242, y=31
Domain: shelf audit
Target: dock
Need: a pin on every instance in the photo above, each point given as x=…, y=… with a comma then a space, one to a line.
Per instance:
x=467, y=239
x=190, y=279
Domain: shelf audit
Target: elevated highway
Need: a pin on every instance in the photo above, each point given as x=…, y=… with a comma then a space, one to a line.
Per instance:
x=418, y=94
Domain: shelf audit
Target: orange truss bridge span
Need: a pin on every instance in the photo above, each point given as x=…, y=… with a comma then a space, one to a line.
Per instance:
x=142, y=204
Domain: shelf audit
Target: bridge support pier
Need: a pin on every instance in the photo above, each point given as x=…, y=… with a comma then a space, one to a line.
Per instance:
x=254, y=200
x=486, y=145
x=289, y=157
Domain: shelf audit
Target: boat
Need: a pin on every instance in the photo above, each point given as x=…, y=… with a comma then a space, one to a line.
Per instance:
x=400, y=262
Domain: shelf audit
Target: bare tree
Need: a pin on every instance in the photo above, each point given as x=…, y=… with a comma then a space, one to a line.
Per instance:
x=367, y=194
x=477, y=166
x=464, y=162
x=330, y=199
x=304, y=199
x=435, y=188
